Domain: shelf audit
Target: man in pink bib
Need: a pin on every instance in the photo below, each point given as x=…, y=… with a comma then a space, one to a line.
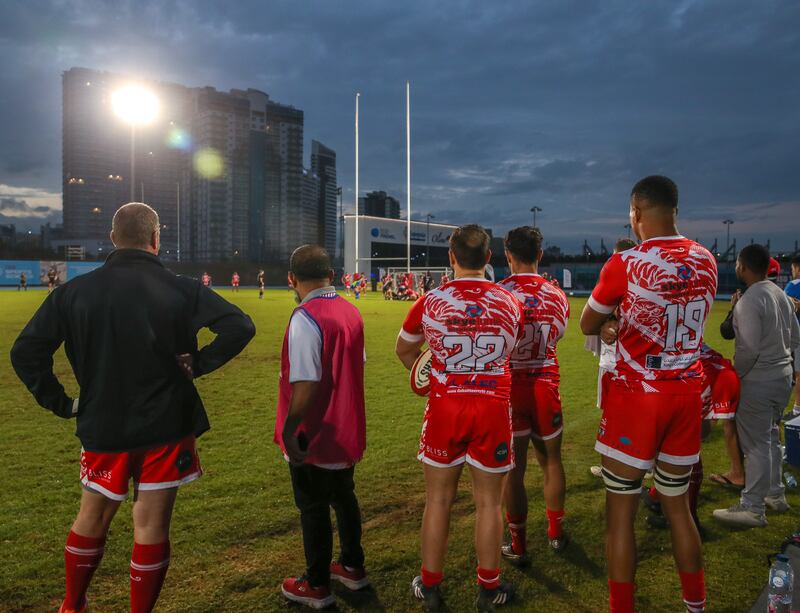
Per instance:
x=321, y=426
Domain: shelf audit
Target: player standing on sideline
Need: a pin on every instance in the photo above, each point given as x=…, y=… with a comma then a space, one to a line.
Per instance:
x=792, y=290
x=604, y=346
x=235, y=282
x=23, y=282
x=471, y=326
x=721, y=390
x=260, y=284
x=206, y=278
x=139, y=413
x=652, y=413
x=321, y=425
x=535, y=399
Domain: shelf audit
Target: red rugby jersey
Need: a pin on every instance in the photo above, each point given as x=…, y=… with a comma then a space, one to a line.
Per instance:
x=471, y=326
x=664, y=288
x=545, y=313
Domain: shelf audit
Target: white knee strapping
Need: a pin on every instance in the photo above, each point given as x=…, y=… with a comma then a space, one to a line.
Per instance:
x=619, y=485
x=668, y=484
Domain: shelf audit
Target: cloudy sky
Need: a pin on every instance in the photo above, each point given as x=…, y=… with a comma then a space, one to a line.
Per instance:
x=561, y=104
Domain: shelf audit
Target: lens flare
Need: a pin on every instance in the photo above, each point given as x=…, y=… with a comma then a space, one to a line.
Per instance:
x=208, y=163
x=179, y=139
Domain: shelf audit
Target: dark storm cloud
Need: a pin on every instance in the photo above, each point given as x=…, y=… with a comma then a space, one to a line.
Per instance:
x=559, y=104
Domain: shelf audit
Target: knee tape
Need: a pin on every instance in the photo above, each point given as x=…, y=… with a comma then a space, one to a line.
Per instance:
x=668, y=484
x=619, y=485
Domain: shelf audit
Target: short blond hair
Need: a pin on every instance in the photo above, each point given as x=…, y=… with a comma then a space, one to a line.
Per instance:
x=133, y=225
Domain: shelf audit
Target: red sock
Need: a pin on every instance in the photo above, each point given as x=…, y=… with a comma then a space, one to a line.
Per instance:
x=430, y=579
x=489, y=579
x=693, y=586
x=620, y=597
x=82, y=555
x=149, y=564
x=554, y=519
x=695, y=481
x=516, y=526
x=653, y=493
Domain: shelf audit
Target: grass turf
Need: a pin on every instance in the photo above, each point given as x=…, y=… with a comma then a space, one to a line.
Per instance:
x=236, y=531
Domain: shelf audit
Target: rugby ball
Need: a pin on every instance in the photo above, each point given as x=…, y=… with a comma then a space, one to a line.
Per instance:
x=420, y=374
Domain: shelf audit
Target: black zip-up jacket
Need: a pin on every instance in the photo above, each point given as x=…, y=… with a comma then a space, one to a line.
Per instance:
x=122, y=326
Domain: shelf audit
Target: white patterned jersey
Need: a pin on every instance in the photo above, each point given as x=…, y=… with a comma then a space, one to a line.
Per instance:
x=471, y=326
x=664, y=288
x=545, y=313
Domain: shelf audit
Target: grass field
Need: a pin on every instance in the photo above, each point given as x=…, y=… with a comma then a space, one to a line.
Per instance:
x=236, y=531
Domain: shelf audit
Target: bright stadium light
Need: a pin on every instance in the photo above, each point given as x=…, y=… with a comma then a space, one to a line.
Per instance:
x=135, y=105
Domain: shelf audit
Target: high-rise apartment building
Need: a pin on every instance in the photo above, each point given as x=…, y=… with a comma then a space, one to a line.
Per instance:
x=323, y=165
x=379, y=204
x=226, y=167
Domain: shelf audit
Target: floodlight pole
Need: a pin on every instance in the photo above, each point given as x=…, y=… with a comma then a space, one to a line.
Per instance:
x=728, y=223
x=357, y=212
x=133, y=162
x=408, y=177
x=178, y=194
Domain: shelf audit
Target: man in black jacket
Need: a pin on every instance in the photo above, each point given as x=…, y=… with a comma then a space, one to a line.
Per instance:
x=130, y=333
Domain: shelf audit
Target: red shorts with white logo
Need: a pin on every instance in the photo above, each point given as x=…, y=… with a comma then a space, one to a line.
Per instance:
x=639, y=427
x=536, y=408
x=154, y=468
x=467, y=428
x=721, y=396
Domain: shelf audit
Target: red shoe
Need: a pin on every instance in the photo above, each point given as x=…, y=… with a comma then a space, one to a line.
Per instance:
x=63, y=609
x=351, y=578
x=300, y=590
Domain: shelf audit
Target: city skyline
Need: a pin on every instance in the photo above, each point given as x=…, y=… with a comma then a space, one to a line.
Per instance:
x=512, y=106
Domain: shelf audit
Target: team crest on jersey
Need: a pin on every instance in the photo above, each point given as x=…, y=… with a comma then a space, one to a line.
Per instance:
x=474, y=310
x=684, y=272
x=531, y=302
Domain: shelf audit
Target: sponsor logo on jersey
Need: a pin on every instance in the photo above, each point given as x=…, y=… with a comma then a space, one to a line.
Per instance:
x=531, y=302
x=474, y=310
x=684, y=272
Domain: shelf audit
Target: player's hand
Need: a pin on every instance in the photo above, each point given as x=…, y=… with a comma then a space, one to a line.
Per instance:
x=296, y=447
x=608, y=331
x=185, y=362
x=735, y=298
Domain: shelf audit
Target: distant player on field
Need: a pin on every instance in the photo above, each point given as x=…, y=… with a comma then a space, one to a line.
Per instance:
x=664, y=289
x=535, y=399
x=471, y=325
x=235, y=282
x=138, y=413
x=260, y=284
x=52, y=279
x=206, y=278
x=23, y=282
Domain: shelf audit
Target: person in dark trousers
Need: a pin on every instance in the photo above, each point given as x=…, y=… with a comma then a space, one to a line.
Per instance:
x=23, y=282
x=321, y=426
x=767, y=334
x=130, y=333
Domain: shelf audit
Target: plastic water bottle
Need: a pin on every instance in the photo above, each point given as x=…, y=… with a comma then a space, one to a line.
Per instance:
x=790, y=480
x=781, y=584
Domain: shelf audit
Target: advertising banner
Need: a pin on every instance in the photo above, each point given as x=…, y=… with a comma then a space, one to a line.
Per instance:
x=10, y=271
x=75, y=269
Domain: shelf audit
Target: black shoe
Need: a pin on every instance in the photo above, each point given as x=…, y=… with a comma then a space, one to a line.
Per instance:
x=659, y=522
x=488, y=600
x=653, y=505
x=559, y=543
x=431, y=597
x=519, y=560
